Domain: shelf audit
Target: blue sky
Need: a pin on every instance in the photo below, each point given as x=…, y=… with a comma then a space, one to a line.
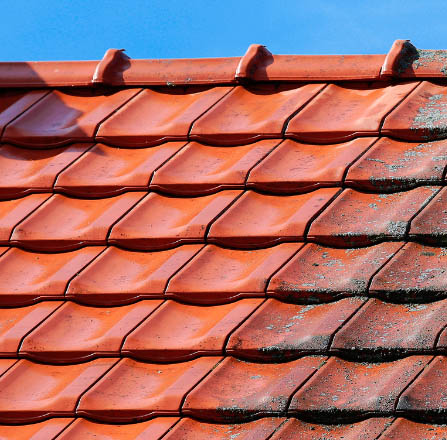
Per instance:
x=84, y=29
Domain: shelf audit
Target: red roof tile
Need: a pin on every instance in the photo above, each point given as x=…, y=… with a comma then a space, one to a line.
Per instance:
x=36, y=431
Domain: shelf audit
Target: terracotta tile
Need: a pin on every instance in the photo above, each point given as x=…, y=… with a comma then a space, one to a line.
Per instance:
x=345, y=391
x=119, y=276
x=6, y=364
x=3, y=249
x=318, y=273
x=104, y=170
x=31, y=392
x=426, y=397
x=251, y=113
x=369, y=429
x=189, y=429
x=408, y=430
x=14, y=211
x=64, y=117
x=16, y=323
x=159, y=222
x=341, y=112
x=258, y=220
x=26, y=277
x=77, y=333
x=381, y=329
x=201, y=169
x=293, y=167
x=421, y=116
x=392, y=165
x=153, y=429
x=279, y=331
x=156, y=116
x=64, y=223
x=430, y=225
x=13, y=103
x=135, y=390
x=220, y=275
x=237, y=390
x=48, y=429
x=177, y=331
x=416, y=273
x=356, y=218
x=25, y=171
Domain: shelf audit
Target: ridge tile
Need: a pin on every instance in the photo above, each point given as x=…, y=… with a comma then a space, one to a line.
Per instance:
x=49, y=429
x=250, y=113
x=295, y=168
x=160, y=115
x=216, y=275
x=65, y=223
x=77, y=333
x=119, y=276
x=237, y=390
x=134, y=390
x=27, y=277
x=159, y=222
x=64, y=117
x=200, y=169
x=105, y=171
x=317, y=273
x=31, y=392
x=356, y=218
x=279, y=331
x=257, y=220
x=25, y=171
x=346, y=391
x=341, y=112
x=176, y=332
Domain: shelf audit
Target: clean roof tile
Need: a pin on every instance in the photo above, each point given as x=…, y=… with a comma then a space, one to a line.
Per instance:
x=82, y=429
x=64, y=223
x=105, y=170
x=78, y=333
x=318, y=273
x=26, y=171
x=294, y=167
x=415, y=273
x=251, y=113
x=26, y=277
x=156, y=116
x=341, y=112
x=120, y=276
x=422, y=116
x=200, y=169
x=345, y=391
x=257, y=220
x=48, y=429
x=408, y=430
x=159, y=222
x=189, y=429
x=219, y=275
x=392, y=165
x=6, y=364
x=356, y=218
x=16, y=323
x=380, y=329
x=176, y=332
x=31, y=392
x=237, y=390
x=14, y=211
x=134, y=390
x=64, y=117
x=278, y=331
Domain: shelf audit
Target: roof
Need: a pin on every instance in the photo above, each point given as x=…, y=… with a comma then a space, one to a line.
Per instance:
x=250, y=248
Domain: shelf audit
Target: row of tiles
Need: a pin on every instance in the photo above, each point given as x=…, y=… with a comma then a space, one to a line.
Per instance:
x=276, y=166
x=230, y=218
x=271, y=428
x=321, y=113
x=307, y=273
x=251, y=329
x=315, y=388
